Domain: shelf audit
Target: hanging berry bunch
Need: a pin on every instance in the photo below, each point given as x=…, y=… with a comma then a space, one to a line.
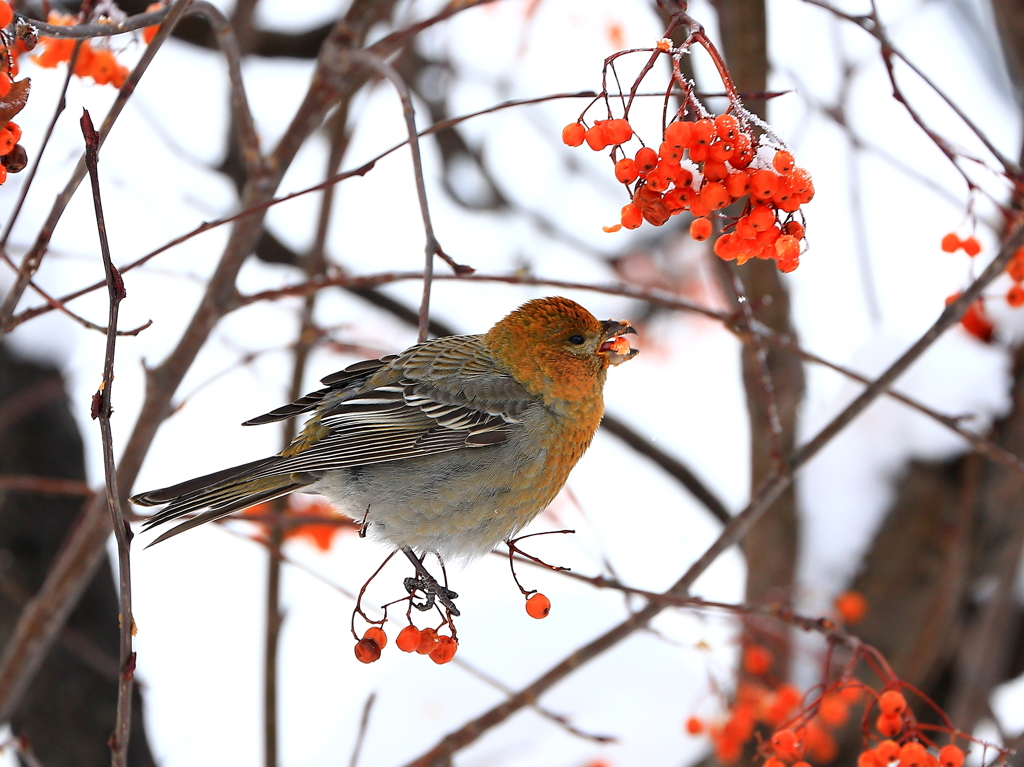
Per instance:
x=13, y=94
x=96, y=61
x=704, y=164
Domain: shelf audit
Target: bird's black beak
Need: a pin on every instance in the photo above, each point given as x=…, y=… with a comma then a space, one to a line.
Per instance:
x=615, y=348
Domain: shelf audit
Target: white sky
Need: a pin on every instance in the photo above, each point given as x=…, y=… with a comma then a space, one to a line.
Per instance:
x=198, y=600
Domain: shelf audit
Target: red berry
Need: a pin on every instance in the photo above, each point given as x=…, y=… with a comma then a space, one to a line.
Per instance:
x=367, y=651
x=678, y=134
x=646, y=160
x=796, y=229
x=596, y=138
x=694, y=726
x=788, y=247
x=6, y=15
x=408, y=639
x=757, y=659
x=737, y=183
x=761, y=217
x=971, y=246
x=714, y=195
x=889, y=726
x=376, y=633
x=743, y=153
x=538, y=606
x=703, y=133
x=783, y=162
x=626, y=171
x=715, y=171
x=444, y=651
x=700, y=229
x=631, y=216
x=428, y=641
x=1015, y=296
x=951, y=243
x=763, y=184
x=951, y=756
x=727, y=127
x=573, y=133
x=892, y=703
x=618, y=131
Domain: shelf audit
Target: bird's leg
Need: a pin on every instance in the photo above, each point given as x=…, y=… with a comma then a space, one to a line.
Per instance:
x=428, y=585
x=364, y=525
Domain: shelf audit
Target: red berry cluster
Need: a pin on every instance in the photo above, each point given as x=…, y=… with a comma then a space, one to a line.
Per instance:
x=801, y=734
x=703, y=166
x=439, y=647
x=98, y=63
x=976, y=320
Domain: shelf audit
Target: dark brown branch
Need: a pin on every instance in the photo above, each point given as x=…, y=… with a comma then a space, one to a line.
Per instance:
x=101, y=409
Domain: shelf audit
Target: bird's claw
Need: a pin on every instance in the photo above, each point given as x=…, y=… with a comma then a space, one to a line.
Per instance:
x=432, y=592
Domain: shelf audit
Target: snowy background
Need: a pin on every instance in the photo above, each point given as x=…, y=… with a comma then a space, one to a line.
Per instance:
x=860, y=297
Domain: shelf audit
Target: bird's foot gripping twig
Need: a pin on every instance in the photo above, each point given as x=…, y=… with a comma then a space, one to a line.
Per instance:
x=427, y=584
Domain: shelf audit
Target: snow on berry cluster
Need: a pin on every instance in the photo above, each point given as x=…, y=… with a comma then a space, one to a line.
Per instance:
x=703, y=166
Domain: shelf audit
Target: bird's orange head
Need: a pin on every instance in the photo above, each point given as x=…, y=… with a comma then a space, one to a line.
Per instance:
x=559, y=350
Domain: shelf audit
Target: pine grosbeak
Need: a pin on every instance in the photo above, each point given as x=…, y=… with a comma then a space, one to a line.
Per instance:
x=449, y=447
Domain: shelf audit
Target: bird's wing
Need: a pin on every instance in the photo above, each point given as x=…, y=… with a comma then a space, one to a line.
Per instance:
x=443, y=395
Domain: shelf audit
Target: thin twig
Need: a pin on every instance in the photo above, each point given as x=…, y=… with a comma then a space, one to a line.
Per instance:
x=101, y=409
x=104, y=29
x=44, y=485
x=364, y=723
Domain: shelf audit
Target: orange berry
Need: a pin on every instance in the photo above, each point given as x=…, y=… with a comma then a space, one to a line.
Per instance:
x=3, y=173
x=83, y=64
x=714, y=195
x=725, y=248
x=715, y=170
x=783, y=162
x=408, y=639
x=852, y=693
x=6, y=15
x=5, y=82
x=727, y=127
x=699, y=208
x=852, y=606
x=376, y=633
x=596, y=137
x=625, y=171
x=572, y=134
x=833, y=710
x=773, y=761
x=950, y=243
x=784, y=742
x=971, y=246
x=913, y=754
x=657, y=181
x=737, y=183
x=694, y=726
x=703, y=133
x=538, y=606
x=889, y=726
x=103, y=66
x=150, y=32
x=1016, y=266
x=7, y=142
x=743, y=153
x=888, y=751
x=764, y=184
x=757, y=659
x=367, y=651
x=619, y=131
x=796, y=229
x=892, y=703
x=744, y=230
x=119, y=76
x=951, y=756
x=787, y=266
x=700, y=153
x=631, y=216
x=869, y=758
x=787, y=247
x=728, y=750
x=428, y=641
x=769, y=235
x=646, y=160
x=721, y=151
x=783, y=193
x=678, y=134
x=801, y=764
x=700, y=229
x=976, y=322
x=761, y=217
x=444, y=650
x=675, y=199
x=671, y=153
x=1015, y=296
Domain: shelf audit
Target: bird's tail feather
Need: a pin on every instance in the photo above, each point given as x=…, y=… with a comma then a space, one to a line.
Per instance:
x=218, y=495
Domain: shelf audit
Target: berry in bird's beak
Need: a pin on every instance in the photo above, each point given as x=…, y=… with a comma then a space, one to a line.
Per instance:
x=616, y=349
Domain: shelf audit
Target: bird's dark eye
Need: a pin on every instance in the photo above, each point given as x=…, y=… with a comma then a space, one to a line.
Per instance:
x=576, y=339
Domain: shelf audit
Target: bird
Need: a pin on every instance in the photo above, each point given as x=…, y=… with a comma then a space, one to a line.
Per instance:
x=450, y=447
